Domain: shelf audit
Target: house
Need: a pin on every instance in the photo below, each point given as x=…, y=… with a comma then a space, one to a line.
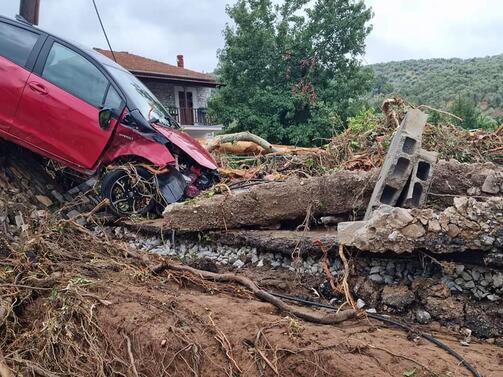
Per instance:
x=182, y=91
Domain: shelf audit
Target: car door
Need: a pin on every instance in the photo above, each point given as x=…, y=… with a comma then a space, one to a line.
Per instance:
x=18, y=48
x=58, y=113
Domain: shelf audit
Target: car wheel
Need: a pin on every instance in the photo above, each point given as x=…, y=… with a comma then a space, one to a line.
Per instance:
x=129, y=191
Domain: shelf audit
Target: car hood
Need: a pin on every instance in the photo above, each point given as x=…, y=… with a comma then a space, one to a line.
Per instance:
x=189, y=145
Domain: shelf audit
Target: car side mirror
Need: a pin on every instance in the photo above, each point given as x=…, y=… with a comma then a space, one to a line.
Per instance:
x=105, y=116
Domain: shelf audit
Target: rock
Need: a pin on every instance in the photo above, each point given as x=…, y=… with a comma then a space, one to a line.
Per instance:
x=413, y=231
x=360, y=303
x=434, y=226
x=453, y=230
x=493, y=297
x=375, y=270
x=376, y=278
x=473, y=191
x=397, y=297
x=422, y=316
x=466, y=276
x=493, y=183
x=459, y=269
x=498, y=280
x=238, y=264
x=399, y=217
x=475, y=275
x=470, y=284
x=44, y=200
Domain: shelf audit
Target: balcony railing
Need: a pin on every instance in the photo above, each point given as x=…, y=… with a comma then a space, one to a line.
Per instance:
x=191, y=117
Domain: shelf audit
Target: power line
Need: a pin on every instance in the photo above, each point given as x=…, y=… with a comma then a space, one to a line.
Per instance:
x=103, y=28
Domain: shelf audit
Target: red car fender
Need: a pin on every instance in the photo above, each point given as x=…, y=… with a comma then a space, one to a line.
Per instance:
x=127, y=142
x=189, y=145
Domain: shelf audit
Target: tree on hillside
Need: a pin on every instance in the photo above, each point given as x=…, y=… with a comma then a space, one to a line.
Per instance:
x=291, y=71
x=471, y=115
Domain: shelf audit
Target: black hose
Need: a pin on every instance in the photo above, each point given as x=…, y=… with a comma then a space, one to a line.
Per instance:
x=381, y=318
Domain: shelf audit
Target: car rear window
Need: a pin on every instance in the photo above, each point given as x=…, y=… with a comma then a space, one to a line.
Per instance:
x=75, y=74
x=16, y=43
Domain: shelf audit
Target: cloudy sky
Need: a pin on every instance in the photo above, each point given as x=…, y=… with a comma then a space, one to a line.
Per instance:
x=161, y=29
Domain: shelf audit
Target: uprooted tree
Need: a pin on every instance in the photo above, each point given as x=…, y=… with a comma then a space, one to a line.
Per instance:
x=290, y=70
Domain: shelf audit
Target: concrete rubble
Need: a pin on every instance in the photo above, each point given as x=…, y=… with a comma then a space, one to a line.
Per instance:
x=468, y=225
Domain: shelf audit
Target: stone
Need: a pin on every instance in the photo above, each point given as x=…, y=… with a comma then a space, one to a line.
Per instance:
x=375, y=270
x=470, y=284
x=434, y=226
x=422, y=316
x=493, y=183
x=399, y=218
x=473, y=191
x=360, y=303
x=493, y=297
x=238, y=264
x=413, y=231
x=376, y=278
x=453, y=230
x=475, y=275
x=466, y=276
x=459, y=269
x=498, y=280
x=397, y=297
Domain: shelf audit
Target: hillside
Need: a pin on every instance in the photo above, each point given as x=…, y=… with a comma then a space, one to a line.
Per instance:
x=437, y=82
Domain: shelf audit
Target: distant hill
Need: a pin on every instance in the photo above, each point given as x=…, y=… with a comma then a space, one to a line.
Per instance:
x=437, y=82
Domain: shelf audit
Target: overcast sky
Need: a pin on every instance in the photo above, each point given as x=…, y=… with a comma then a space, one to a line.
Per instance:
x=161, y=29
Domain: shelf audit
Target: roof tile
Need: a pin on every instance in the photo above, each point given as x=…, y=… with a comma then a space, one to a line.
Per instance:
x=138, y=63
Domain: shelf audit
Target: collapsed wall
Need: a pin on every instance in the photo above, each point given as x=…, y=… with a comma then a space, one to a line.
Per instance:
x=344, y=192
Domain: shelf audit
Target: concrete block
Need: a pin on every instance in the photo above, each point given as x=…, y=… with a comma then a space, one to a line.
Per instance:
x=346, y=231
x=399, y=163
x=420, y=180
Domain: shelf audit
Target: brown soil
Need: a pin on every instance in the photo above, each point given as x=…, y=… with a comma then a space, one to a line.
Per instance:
x=179, y=325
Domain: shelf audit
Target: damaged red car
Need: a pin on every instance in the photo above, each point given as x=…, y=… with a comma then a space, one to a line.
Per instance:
x=78, y=108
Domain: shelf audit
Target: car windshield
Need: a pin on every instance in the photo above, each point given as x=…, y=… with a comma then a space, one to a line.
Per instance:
x=142, y=97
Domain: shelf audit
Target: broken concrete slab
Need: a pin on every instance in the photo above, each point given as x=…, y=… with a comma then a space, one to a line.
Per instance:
x=400, y=161
x=468, y=225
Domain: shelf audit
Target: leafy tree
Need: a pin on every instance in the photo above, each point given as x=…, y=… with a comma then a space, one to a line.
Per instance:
x=291, y=70
x=471, y=115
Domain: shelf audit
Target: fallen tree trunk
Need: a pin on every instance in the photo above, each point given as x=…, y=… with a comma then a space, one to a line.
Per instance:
x=241, y=136
x=339, y=193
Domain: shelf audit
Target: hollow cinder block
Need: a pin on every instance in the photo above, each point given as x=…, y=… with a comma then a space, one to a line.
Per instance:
x=399, y=163
x=420, y=180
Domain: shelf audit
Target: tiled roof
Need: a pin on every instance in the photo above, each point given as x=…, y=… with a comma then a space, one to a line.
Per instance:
x=139, y=64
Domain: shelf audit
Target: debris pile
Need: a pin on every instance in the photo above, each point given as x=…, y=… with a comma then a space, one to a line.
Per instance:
x=468, y=225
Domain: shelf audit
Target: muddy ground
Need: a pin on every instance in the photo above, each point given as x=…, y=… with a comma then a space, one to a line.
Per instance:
x=76, y=304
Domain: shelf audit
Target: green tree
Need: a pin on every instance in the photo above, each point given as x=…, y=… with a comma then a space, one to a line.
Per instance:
x=291, y=71
x=471, y=115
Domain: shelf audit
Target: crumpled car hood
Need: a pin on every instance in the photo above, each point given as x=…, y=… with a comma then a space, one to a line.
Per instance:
x=189, y=145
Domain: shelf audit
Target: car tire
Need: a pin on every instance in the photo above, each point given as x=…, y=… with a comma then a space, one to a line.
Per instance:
x=119, y=182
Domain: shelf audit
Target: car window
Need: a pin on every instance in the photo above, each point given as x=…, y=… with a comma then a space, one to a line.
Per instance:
x=113, y=100
x=75, y=74
x=16, y=43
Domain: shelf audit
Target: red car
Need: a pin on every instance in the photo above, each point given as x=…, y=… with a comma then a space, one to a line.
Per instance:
x=74, y=106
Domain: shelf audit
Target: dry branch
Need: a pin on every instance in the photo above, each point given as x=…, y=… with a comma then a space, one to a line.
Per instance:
x=309, y=316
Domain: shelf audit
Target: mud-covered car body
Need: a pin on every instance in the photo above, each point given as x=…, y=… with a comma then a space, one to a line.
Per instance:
x=75, y=106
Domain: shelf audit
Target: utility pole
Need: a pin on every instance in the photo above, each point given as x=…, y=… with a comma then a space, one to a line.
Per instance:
x=29, y=10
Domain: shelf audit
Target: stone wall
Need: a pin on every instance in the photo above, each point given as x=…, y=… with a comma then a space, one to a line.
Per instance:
x=164, y=91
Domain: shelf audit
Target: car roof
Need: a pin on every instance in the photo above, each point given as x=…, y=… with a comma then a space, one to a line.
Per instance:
x=100, y=58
